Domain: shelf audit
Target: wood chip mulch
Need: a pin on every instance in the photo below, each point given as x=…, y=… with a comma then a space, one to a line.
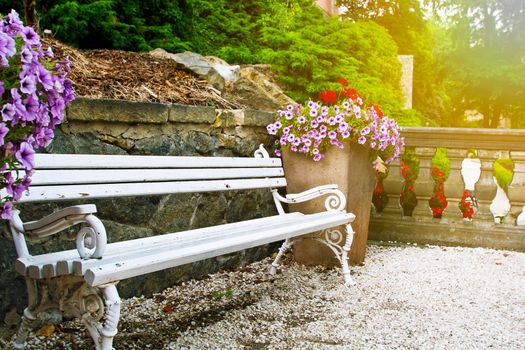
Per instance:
x=135, y=76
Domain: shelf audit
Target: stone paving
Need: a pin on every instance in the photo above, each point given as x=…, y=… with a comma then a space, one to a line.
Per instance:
x=407, y=297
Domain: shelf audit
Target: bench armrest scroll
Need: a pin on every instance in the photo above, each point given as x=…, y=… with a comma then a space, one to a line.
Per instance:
x=336, y=201
x=91, y=240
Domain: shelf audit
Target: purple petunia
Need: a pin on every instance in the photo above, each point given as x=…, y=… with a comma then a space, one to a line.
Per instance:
x=25, y=155
x=30, y=36
x=7, y=211
x=8, y=112
x=312, y=127
x=3, y=132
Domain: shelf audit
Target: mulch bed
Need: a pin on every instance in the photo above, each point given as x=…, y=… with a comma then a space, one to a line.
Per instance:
x=135, y=76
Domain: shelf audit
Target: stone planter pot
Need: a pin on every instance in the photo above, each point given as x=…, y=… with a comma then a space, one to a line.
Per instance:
x=351, y=169
x=408, y=208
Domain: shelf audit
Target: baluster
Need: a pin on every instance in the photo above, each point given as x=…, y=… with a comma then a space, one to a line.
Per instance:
x=410, y=172
x=503, y=174
x=440, y=170
x=470, y=172
x=521, y=218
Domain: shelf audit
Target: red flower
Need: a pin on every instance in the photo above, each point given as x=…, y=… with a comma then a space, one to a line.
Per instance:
x=329, y=96
x=378, y=111
x=343, y=82
x=350, y=93
x=404, y=168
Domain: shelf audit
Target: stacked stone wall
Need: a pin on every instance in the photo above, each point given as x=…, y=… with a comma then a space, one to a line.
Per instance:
x=136, y=128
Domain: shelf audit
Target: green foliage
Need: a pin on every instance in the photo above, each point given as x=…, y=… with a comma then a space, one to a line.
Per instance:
x=217, y=295
x=411, y=161
x=410, y=172
x=416, y=36
x=310, y=52
x=504, y=172
x=312, y=58
x=412, y=117
x=485, y=65
x=441, y=162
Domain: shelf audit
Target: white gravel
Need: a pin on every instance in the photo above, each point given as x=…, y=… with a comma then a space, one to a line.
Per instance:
x=406, y=298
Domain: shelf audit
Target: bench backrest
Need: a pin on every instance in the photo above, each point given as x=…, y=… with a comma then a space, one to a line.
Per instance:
x=75, y=176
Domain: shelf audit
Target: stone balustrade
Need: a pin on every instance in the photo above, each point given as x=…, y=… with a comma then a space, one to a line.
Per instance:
x=495, y=222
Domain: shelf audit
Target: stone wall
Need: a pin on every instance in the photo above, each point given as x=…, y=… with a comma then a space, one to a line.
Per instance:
x=121, y=127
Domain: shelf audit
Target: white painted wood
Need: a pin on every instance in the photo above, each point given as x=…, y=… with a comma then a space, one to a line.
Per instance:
x=167, y=259
x=56, y=216
x=92, y=161
x=95, y=176
x=56, y=193
x=176, y=241
x=65, y=258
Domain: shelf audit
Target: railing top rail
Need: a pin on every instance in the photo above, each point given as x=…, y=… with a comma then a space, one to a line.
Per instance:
x=465, y=138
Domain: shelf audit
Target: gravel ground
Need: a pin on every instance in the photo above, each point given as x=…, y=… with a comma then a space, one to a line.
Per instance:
x=406, y=298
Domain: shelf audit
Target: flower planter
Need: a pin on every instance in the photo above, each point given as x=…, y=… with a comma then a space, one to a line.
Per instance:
x=408, y=209
x=350, y=168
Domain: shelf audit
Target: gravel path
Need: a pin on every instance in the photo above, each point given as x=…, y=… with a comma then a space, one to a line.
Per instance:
x=406, y=298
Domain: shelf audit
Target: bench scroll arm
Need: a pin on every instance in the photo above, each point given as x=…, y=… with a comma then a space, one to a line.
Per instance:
x=91, y=240
x=335, y=201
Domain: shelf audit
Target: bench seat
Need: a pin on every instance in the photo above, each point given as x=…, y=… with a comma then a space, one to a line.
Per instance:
x=144, y=255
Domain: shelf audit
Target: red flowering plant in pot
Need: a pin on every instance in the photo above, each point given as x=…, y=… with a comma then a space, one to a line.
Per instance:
x=409, y=172
x=337, y=139
x=439, y=171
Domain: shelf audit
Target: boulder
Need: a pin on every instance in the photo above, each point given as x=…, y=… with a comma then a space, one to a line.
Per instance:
x=216, y=71
x=251, y=86
x=255, y=89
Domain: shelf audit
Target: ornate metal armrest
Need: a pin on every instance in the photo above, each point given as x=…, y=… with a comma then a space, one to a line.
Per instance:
x=337, y=200
x=91, y=240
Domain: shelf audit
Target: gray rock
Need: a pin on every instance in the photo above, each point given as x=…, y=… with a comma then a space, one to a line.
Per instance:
x=174, y=213
x=255, y=90
x=88, y=109
x=49, y=316
x=191, y=114
x=201, y=142
x=210, y=210
x=119, y=232
x=12, y=318
x=254, y=117
x=81, y=143
x=169, y=145
x=216, y=71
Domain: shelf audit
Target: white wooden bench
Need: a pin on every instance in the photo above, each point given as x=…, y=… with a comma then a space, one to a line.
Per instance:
x=82, y=282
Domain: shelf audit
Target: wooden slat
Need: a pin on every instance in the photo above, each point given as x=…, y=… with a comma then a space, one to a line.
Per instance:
x=175, y=241
x=91, y=161
x=95, y=176
x=64, y=257
x=143, y=264
x=68, y=192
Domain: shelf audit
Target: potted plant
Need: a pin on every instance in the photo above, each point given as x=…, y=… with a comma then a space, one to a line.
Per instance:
x=410, y=172
x=34, y=92
x=470, y=172
x=440, y=171
x=379, y=197
x=336, y=139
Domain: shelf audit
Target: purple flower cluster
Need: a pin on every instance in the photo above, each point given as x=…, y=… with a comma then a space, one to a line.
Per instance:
x=34, y=95
x=310, y=129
